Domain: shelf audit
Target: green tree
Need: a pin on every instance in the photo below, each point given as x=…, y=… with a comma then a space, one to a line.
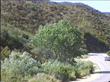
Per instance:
x=61, y=39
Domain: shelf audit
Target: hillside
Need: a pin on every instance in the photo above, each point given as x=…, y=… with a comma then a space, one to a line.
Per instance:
x=107, y=13
x=28, y=16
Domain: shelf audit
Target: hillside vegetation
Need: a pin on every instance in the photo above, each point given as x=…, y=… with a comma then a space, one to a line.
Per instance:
x=25, y=19
x=55, y=48
x=45, y=41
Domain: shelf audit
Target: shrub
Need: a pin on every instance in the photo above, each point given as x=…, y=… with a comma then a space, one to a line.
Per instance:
x=61, y=71
x=17, y=67
x=42, y=77
x=67, y=72
x=108, y=53
x=10, y=39
x=83, y=68
x=61, y=39
x=5, y=52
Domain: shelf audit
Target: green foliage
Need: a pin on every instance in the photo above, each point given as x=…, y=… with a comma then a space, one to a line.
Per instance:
x=21, y=67
x=15, y=39
x=23, y=16
x=83, y=68
x=61, y=39
x=26, y=17
x=65, y=71
x=42, y=77
x=94, y=23
x=61, y=71
x=18, y=67
x=108, y=53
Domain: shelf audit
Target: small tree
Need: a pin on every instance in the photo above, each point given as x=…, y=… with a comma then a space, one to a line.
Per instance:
x=63, y=40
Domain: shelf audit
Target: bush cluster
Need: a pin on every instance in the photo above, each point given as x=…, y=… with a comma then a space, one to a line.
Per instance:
x=18, y=67
x=65, y=71
x=58, y=45
x=108, y=53
x=60, y=70
x=22, y=67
